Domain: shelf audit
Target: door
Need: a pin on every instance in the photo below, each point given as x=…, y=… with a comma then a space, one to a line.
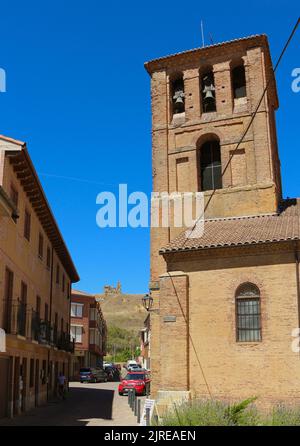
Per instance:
x=16, y=394
x=24, y=384
x=4, y=383
x=36, y=383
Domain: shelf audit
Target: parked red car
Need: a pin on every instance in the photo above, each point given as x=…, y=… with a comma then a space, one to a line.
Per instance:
x=139, y=381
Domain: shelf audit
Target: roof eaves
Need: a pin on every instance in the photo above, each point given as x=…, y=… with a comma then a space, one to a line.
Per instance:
x=201, y=49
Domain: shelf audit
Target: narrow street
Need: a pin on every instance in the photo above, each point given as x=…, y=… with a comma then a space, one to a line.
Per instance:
x=86, y=405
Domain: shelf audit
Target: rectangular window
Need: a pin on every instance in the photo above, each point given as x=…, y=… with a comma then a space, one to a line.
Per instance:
x=46, y=312
x=8, y=297
x=92, y=336
x=14, y=195
x=57, y=273
x=38, y=305
x=63, y=283
x=248, y=320
x=22, y=314
x=27, y=224
x=23, y=292
x=76, y=310
x=92, y=314
x=48, y=258
x=41, y=246
x=76, y=333
x=44, y=372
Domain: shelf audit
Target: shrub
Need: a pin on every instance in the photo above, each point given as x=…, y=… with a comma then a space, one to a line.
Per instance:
x=211, y=413
x=218, y=413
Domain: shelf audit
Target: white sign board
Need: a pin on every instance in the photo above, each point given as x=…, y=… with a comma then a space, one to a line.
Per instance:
x=149, y=404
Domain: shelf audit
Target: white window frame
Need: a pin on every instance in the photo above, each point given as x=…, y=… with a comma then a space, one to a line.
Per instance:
x=77, y=306
x=76, y=332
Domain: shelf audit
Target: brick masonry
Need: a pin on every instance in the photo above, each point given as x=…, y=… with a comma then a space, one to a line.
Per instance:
x=198, y=352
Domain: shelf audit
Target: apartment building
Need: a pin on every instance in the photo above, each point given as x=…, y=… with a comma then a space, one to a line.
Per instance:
x=36, y=272
x=88, y=330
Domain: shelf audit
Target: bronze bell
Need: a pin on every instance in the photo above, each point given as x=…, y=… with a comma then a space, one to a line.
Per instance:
x=178, y=99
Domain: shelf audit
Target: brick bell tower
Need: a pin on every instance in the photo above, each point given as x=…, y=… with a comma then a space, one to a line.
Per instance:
x=202, y=101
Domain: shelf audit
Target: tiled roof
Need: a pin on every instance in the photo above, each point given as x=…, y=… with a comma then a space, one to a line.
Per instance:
x=236, y=231
x=255, y=36
x=81, y=293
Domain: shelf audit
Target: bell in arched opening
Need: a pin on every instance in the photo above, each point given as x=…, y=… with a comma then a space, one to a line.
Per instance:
x=208, y=93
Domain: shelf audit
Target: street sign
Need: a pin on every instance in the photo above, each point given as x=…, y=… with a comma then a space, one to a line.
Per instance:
x=149, y=404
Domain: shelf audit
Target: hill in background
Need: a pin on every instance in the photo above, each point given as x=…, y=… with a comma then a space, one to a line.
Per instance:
x=124, y=315
x=123, y=310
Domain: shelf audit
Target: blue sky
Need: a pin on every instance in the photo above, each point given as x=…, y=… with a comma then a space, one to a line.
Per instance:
x=78, y=94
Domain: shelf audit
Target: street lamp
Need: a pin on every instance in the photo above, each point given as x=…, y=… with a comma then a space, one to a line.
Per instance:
x=147, y=301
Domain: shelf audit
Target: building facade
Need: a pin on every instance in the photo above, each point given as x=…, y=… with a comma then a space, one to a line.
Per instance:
x=223, y=316
x=88, y=330
x=36, y=272
x=145, y=337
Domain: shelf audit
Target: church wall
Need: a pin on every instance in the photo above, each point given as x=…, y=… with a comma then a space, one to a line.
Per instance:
x=218, y=363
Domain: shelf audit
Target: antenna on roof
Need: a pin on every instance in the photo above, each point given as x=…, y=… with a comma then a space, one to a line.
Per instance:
x=202, y=33
x=211, y=39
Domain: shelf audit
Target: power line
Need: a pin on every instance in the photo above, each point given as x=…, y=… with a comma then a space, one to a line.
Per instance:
x=249, y=124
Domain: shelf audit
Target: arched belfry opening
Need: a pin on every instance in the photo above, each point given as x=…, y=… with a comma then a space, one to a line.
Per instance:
x=238, y=79
x=177, y=94
x=209, y=165
x=208, y=96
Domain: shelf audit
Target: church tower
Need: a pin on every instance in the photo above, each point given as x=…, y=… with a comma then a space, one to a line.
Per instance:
x=202, y=101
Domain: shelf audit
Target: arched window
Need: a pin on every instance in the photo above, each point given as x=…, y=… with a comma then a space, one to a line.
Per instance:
x=208, y=92
x=177, y=95
x=210, y=166
x=239, y=82
x=248, y=317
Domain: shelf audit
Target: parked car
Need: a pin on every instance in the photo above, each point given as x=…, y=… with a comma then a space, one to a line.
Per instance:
x=129, y=363
x=134, y=368
x=113, y=373
x=92, y=374
x=139, y=381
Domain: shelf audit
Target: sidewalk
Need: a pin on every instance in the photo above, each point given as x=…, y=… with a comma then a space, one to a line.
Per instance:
x=86, y=405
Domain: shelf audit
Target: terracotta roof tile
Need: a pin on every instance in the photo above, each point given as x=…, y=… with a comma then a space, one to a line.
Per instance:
x=204, y=48
x=235, y=231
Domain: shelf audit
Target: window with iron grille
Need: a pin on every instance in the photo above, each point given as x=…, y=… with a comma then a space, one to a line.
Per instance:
x=248, y=314
x=210, y=166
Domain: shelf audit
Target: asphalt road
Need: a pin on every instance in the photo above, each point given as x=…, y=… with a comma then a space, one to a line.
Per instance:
x=86, y=405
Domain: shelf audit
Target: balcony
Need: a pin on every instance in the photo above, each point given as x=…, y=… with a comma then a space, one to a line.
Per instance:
x=15, y=317
x=64, y=342
x=20, y=320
